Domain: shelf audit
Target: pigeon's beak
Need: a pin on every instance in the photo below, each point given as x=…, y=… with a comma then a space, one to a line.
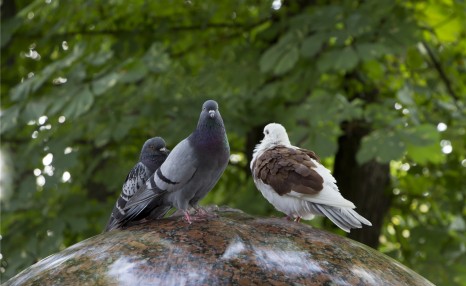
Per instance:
x=164, y=149
x=211, y=113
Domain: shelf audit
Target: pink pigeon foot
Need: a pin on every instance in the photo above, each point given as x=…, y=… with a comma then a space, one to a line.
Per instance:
x=187, y=217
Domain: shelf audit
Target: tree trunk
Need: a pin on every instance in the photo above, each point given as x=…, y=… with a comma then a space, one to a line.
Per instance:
x=365, y=185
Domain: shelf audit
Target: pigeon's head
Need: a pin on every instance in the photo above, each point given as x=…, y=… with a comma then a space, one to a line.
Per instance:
x=210, y=108
x=275, y=134
x=153, y=146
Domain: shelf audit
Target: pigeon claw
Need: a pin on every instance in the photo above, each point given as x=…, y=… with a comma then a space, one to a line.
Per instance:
x=187, y=217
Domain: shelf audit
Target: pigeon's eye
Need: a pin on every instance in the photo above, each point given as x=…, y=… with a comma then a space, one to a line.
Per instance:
x=267, y=132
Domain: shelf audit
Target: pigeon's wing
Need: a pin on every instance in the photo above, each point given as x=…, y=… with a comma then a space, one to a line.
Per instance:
x=133, y=182
x=288, y=169
x=310, y=153
x=175, y=172
x=294, y=172
x=178, y=168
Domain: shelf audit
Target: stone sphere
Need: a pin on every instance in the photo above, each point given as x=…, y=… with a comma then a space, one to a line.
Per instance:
x=231, y=248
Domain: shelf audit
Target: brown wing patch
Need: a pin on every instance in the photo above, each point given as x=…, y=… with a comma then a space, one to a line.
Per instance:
x=310, y=154
x=286, y=169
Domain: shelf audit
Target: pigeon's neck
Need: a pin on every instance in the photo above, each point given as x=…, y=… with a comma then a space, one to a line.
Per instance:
x=210, y=135
x=152, y=161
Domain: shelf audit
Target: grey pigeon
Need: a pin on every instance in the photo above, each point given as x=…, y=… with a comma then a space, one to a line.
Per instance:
x=295, y=183
x=153, y=154
x=191, y=170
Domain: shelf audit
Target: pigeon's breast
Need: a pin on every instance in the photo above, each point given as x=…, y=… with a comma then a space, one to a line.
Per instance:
x=288, y=205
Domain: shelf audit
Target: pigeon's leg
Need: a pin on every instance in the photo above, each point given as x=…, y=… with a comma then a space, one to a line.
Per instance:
x=298, y=219
x=187, y=217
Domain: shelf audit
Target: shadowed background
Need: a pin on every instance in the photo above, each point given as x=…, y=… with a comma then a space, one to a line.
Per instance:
x=376, y=88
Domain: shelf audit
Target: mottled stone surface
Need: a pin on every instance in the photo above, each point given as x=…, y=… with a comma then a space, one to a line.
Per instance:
x=231, y=249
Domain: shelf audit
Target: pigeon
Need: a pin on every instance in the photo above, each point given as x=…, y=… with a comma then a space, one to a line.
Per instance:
x=190, y=171
x=295, y=183
x=153, y=154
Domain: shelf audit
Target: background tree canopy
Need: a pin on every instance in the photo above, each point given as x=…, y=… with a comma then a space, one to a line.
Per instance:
x=376, y=88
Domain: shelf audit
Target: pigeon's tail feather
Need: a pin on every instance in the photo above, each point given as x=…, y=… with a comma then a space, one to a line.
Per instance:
x=113, y=224
x=110, y=224
x=135, y=213
x=117, y=213
x=159, y=212
x=344, y=218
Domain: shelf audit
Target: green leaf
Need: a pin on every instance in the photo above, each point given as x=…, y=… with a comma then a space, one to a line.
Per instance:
x=270, y=58
x=8, y=29
x=105, y=83
x=9, y=118
x=424, y=154
x=80, y=103
x=324, y=144
x=311, y=45
x=133, y=71
x=287, y=62
x=34, y=110
x=405, y=95
x=368, y=51
x=344, y=60
x=414, y=58
x=421, y=135
x=21, y=90
x=325, y=17
x=99, y=58
x=156, y=59
x=65, y=161
x=61, y=97
x=123, y=127
x=382, y=146
x=375, y=69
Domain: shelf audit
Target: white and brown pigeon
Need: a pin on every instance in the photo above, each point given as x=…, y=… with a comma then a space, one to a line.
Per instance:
x=295, y=183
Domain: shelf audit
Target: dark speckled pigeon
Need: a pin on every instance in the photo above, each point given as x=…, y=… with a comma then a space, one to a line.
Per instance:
x=153, y=154
x=191, y=170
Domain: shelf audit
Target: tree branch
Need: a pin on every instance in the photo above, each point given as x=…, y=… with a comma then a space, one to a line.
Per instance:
x=146, y=30
x=441, y=72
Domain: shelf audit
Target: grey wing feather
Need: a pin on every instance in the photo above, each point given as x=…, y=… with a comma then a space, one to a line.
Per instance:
x=175, y=172
x=145, y=194
x=134, y=180
x=179, y=167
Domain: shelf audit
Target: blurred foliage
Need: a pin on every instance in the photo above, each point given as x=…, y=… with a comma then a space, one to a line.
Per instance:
x=85, y=83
